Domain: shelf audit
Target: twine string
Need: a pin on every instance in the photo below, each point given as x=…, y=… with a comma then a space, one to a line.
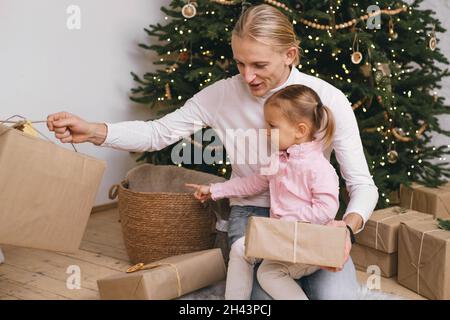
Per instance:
x=24, y=121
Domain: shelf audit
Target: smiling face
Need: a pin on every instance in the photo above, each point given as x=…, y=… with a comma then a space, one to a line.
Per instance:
x=261, y=67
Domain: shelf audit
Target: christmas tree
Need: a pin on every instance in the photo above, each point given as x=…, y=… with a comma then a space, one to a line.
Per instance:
x=382, y=56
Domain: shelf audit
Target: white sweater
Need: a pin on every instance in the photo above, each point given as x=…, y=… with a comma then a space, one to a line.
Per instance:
x=228, y=104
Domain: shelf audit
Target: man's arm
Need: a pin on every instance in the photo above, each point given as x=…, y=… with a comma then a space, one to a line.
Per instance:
x=98, y=133
x=154, y=135
x=353, y=165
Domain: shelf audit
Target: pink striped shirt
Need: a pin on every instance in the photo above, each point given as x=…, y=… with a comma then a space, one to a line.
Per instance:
x=305, y=187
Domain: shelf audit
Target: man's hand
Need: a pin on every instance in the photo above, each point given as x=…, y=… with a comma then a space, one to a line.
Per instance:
x=202, y=192
x=70, y=128
x=348, y=244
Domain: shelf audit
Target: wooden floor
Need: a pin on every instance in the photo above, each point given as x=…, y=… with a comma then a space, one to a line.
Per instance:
x=36, y=274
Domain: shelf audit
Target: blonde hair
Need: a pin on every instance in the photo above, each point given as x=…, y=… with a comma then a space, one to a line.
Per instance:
x=298, y=102
x=269, y=26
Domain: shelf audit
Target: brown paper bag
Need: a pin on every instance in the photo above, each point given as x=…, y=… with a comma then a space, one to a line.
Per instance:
x=46, y=192
x=165, y=279
x=424, y=259
x=435, y=201
x=363, y=257
x=381, y=230
x=295, y=242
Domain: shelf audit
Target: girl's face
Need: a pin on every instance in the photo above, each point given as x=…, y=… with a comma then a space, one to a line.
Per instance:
x=289, y=133
x=260, y=65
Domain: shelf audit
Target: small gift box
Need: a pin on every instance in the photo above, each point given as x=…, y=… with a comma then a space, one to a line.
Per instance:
x=363, y=257
x=381, y=230
x=165, y=279
x=424, y=258
x=295, y=241
x=435, y=201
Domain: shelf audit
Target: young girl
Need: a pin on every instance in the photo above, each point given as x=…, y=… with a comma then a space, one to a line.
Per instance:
x=304, y=188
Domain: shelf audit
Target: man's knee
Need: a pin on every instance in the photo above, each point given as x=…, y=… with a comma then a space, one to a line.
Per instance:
x=327, y=285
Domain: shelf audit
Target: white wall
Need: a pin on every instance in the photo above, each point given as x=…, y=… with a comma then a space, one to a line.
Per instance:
x=45, y=68
x=442, y=9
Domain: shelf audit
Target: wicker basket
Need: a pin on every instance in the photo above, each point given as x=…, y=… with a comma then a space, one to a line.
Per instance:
x=159, y=215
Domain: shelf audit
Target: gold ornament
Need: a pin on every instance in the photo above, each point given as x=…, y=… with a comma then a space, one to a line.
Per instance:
x=392, y=156
x=349, y=23
x=189, y=10
x=168, y=94
x=432, y=43
x=392, y=33
x=225, y=2
x=356, y=56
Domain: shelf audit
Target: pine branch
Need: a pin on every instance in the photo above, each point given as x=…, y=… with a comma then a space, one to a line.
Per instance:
x=444, y=224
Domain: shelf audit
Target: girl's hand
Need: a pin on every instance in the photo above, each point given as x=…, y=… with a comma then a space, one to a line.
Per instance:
x=202, y=192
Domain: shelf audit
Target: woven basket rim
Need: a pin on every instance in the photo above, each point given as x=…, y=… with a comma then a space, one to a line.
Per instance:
x=123, y=187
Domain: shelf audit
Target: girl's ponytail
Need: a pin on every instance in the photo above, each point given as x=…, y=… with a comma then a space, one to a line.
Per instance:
x=325, y=124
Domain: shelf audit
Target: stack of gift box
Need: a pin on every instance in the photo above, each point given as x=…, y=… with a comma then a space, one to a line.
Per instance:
x=409, y=242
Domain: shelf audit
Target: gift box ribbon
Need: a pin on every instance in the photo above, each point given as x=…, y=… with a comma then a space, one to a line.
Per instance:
x=141, y=266
x=417, y=266
x=398, y=211
x=442, y=189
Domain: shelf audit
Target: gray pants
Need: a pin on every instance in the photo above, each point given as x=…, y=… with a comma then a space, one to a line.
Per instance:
x=321, y=285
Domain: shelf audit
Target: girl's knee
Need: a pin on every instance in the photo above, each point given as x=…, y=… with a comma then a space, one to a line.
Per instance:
x=268, y=271
x=238, y=248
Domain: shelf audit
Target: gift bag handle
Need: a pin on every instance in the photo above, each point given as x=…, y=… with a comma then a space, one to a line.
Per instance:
x=113, y=191
x=24, y=121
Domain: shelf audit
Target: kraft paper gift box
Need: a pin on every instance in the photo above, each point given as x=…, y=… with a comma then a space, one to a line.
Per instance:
x=46, y=192
x=424, y=259
x=165, y=279
x=435, y=201
x=381, y=230
x=364, y=257
x=296, y=242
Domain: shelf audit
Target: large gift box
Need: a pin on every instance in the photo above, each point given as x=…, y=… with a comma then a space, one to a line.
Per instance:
x=296, y=242
x=165, y=279
x=364, y=257
x=435, y=201
x=381, y=230
x=46, y=192
x=424, y=258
